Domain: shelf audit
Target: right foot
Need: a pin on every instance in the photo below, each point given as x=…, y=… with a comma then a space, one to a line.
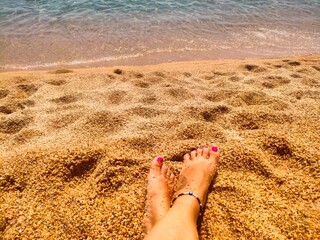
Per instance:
x=159, y=192
x=199, y=169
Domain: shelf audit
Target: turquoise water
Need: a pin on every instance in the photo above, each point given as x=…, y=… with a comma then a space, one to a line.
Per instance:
x=42, y=33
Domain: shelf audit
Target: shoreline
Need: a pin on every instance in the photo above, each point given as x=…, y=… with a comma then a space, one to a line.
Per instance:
x=145, y=62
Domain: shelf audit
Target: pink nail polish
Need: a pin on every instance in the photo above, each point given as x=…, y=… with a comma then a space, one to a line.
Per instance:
x=214, y=148
x=160, y=159
x=205, y=146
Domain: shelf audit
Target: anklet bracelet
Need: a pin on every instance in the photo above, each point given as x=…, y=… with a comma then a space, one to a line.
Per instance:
x=190, y=194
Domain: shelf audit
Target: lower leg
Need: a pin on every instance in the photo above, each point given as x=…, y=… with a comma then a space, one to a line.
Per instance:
x=180, y=222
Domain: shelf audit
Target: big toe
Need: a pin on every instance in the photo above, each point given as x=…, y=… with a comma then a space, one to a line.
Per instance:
x=214, y=153
x=156, y=165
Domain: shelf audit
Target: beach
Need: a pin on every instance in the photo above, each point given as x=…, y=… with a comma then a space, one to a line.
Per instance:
x=76, y=146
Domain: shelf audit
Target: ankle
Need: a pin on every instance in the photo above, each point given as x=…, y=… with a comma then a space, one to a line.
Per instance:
x=188, y=205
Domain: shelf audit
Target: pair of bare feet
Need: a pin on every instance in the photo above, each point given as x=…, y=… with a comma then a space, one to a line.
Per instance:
x=199, y=168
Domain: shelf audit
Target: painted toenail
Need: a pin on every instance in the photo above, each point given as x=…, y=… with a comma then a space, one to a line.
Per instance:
x=215, y=148
x=160, y=159
x=205, y=146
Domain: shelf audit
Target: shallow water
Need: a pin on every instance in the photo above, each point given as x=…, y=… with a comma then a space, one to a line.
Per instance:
x=41, y=33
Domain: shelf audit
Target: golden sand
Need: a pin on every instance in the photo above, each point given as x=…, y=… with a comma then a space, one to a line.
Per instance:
x=76, y=146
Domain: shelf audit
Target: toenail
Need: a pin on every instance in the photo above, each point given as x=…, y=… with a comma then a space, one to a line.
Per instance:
x=215, y=148
x=205, y=146
x=160, y=159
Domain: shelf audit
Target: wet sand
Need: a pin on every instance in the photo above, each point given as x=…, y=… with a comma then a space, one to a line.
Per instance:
x=76, y=146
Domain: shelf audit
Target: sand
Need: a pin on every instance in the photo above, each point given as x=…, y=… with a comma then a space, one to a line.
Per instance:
x=76, y=146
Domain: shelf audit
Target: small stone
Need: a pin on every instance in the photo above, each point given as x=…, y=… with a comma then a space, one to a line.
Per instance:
x=118, y=71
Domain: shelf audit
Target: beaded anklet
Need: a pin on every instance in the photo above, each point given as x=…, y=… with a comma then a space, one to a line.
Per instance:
x=190, y=194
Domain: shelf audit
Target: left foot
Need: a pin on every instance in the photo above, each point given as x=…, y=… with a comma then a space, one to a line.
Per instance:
x=159, y=192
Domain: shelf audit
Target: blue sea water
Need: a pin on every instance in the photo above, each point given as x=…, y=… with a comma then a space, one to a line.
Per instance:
x=44, y=33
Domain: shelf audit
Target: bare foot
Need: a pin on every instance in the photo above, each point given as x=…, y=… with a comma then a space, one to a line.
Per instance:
x=199, y=168
x=159, y=192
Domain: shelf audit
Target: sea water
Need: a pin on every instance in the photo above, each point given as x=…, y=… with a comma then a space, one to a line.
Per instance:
x=51, y=33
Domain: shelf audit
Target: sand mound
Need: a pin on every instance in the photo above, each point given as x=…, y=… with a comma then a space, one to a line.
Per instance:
x=76, y=146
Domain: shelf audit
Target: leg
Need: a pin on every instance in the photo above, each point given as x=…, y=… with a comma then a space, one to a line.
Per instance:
x=180, y=222
x=159, y=192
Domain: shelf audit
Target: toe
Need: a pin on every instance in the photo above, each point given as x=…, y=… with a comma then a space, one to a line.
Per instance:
x=172, y=177
x=186, y=157
x=199, y=151
x=214, y=152
x=169, y=173
x=164, y=170
x=205, y=151
x=193, y=155
x=156, y=165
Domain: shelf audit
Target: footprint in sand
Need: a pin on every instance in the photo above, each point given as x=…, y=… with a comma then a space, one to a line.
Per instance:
x=251, y=98
x=26, y=134
x=278, y=65
x=208, y=77
x=141, y=144
x=254, y=68
x=159, y=74
x=141, y=84
x=311, y=82
x=65, y=99
x=3, y=93
x=246, y=123
x=235, y=79
x=64, y=120
x=191, y=131
x=294, y=63
x=219, y=96
x=82, y=164
x=295, y=75
x=29, y=89
x=187, y=74
x=6, y=110
x=26, y=103
x=117, y=96
x=57, y=82
x=105, y=121
x=316, y=68
x=136, y=75
x=275, y=81
x=198, y=130
x=179, y=93
x=13, y=126
x=8, y=183
x=212, y=114
x=149, y=99
x=15, y=106
x=277, y=146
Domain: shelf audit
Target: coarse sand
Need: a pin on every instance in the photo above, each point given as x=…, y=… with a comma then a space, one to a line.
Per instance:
x=76, y=146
